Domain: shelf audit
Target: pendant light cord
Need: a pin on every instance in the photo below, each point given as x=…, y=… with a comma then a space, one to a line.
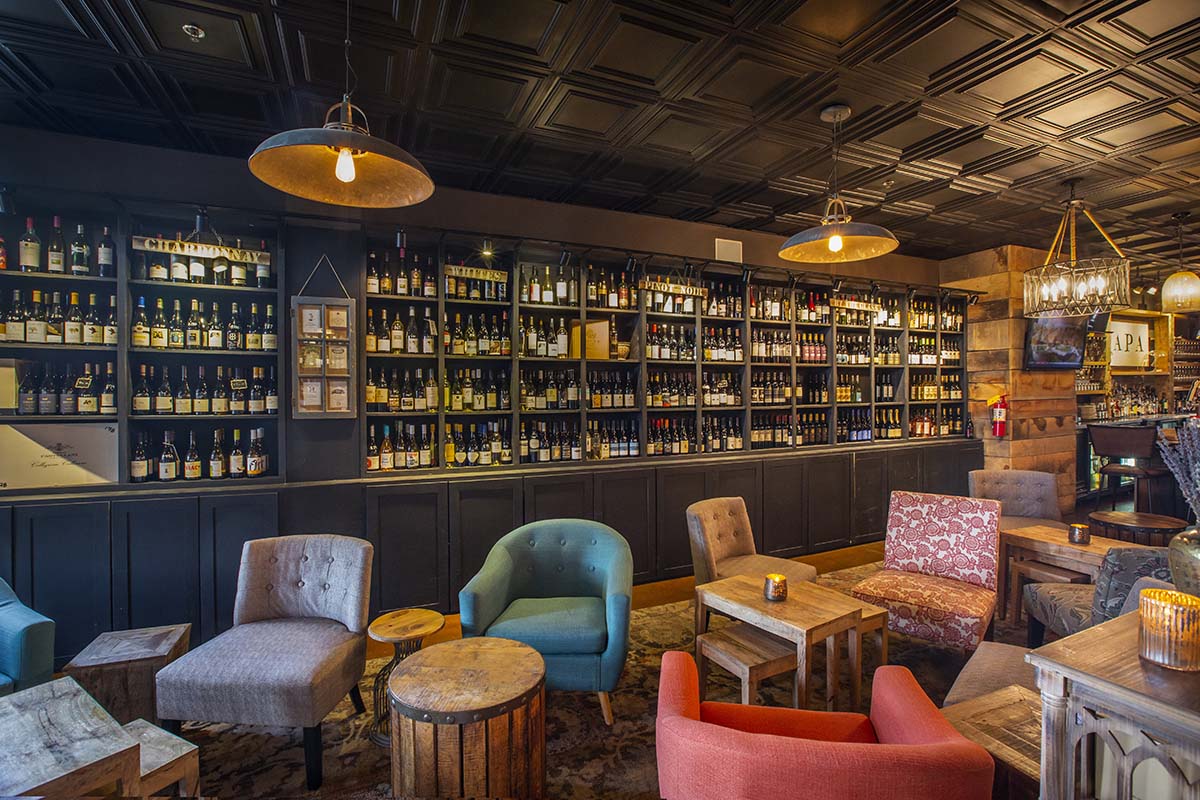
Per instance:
x=834, y=179
x=349, y=68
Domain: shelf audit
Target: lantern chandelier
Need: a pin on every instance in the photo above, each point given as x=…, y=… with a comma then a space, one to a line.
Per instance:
x=1181, y=291
x=341, y=163
x=1073, y=286
x=837, y=239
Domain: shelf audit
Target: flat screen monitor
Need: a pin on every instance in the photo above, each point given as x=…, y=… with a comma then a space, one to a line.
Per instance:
x=1055, y=343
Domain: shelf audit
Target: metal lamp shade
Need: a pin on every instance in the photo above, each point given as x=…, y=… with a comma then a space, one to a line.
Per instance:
x=1181, y=292
x=860, y=241
x=301, y=162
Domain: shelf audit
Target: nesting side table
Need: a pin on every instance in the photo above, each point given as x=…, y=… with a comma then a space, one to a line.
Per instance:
x=405, y=630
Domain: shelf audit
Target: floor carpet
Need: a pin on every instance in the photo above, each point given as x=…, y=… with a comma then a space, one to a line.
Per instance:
x=585, y=759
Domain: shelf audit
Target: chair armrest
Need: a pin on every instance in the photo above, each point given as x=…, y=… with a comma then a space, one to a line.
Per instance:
x=1135, y=592
x=618, y=599
x=902, y=713
x=486, y=595
x=824, y=726
x=678, y=686
x=26, y=645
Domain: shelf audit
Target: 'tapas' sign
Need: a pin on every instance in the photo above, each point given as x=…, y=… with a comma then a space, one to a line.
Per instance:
x=1129, y=343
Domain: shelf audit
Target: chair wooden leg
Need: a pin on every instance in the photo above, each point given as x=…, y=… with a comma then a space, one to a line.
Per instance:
x=606, y=708
x=171, y=725
x=1036, y=635
x=312, y=756
x=357, y=699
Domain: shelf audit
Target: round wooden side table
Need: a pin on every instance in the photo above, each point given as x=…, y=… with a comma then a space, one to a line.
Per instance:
x=405, y=630
x=469, y=720
x=1152, y=530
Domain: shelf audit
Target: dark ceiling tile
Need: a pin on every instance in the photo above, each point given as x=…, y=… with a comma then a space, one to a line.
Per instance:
x=1028, y=76
x=542, y=156
x=217, y=100
x=745, y=81
x=835, y=21
x=51, y=13
x=1172, y=152
x=1032, y=164
x=477, y=91
x=527, y=28
x=575, y=111
x=1153, y=18
x=971, y=151
x=757, y=153
x=1139, y=129
x=450, y=141
x=902, y=136
x=377, y=70
x=944, y=46
x=681, y=136
x=232, y=35
x=640, y=51
x=1096, y=102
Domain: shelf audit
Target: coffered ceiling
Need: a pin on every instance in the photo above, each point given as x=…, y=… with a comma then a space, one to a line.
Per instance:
x=967, y=117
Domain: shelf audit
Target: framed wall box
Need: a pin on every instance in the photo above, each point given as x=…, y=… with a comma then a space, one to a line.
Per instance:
x=324, y=360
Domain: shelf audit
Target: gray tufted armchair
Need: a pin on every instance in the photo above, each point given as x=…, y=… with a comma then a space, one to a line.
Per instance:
x=723, y=544
x=1026, y=497
x=296, y=647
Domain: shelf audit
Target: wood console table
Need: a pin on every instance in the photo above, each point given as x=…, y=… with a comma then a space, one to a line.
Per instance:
x=1094, y=686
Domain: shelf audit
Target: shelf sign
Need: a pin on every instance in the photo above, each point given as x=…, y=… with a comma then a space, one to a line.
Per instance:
x=1129, y=343
x=672, y=288
x=476, y=273
x=151, y=244
x=38, y=456
x=857, y=305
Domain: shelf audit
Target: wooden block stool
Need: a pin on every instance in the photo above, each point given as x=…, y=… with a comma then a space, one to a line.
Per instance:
x=166, y=760
x=752, y=655
x=1022, y=572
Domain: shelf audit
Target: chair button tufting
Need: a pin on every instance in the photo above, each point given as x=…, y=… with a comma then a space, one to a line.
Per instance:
x=560, y=567
x=592, y=568
x=531, y=542
x=304, y=558
x=593, y=541
x=529, y=568
x=331, y=559
x=300, y=584
x=562, y=542
x=274, y=560
x=325, y=586
x=269, y=587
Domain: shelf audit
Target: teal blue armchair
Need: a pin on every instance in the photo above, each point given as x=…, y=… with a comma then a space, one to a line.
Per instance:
x=26, y=644
x=563, y=587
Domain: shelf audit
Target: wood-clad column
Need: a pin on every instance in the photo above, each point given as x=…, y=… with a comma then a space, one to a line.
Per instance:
x=1041, y=405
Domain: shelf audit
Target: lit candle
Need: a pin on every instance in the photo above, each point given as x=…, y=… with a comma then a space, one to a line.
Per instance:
x=1169, y=630
x=775, y=587
x=1079, y=534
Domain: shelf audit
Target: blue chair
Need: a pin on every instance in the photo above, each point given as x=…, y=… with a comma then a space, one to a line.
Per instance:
x=26, y=644
x=563, y=587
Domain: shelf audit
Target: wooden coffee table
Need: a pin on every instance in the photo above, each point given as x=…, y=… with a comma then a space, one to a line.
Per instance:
x=405, y=630
x=1008, y=724
x=469, y=720
x=1050, y=546
x=119, y=667
x=56, y=740
x=809, y=614
x=1135, y=527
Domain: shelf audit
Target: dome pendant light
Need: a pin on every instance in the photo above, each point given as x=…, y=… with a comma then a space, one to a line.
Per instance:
x=1181, y=291
x=837, y=239
x=341, y=163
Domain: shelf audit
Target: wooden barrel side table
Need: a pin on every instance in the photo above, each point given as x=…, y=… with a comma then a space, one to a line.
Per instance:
x=1151, y=530
x=469, y=720
x=405, y=630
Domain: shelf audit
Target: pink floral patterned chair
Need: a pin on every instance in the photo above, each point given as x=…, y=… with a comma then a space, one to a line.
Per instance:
x=938, y=580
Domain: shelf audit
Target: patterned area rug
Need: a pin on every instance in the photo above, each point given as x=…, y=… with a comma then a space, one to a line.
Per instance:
x=585, y=759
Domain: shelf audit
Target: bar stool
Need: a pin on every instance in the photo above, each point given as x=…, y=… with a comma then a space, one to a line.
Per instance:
x=1114, y=442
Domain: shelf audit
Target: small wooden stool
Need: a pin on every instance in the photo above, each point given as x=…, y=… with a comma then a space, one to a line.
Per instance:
x=1151, y=530
x=405, y=630
x=119, y=667
x=750, y=654
x=166, y=759
x=1022, y=572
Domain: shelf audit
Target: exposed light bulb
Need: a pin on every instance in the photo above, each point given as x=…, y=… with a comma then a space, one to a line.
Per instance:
x=345, y=166
x=835, y=244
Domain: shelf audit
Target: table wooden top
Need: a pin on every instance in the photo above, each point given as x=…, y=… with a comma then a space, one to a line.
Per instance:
x=1007, y=723
x=810, y=612
x=1138, y=520
x=140, y=644
x=1053, y=541
x=51, y=730
x=159, y=747
x=476, y=676
x=406, y=624
x=1105, y=656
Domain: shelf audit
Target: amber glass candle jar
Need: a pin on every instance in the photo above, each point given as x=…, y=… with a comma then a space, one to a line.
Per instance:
x=1169, y=633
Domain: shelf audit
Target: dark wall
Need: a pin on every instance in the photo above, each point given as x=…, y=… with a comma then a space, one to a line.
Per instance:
x=325, y=449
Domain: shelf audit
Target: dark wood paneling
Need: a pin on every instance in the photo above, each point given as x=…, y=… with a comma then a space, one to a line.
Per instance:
x=226, y=523
x=943, y=471
x=410, y=529
x=785, y=521
x=906, y=470
x=480, y=513
x=156, y=557
x=744, y=480
x=827, y=496
x=558, y=496
x=868, y=509
x=62, y=570
x=625, y=501
x=322, y=509
x=678, y=488
x=6, y=544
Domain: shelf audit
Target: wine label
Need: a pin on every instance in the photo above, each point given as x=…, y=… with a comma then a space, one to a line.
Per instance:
x=35, y=331
x=164, y=405
x=254, y=341
x=175, y=339
x=220, y=405
x=110, y=334
x=14, y=332
x=387, y=460
x=158, y=338
x=88, y=404
x=238, y=383
x=141, y=403
x=237, y=273
x=92, y=334
x=270, y=341
x=108, y=403
x=55, y=262
x=183, y=405
x=83, y=382
x=191, y=470
x=196, y=269
x=216, y=468
x=372, y=463
x=140, y=337
x=179, y=270
x=194, y=339
x=158, y=271
x=167, y=470
x=29, y=256
x=104, y=255
x=216, y=340
x=237, y=464
x=257, y=406
x=201, y=405
x=138, y=468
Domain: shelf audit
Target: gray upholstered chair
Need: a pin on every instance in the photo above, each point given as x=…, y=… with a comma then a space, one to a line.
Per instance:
x=1068, y=608
x=296, y=647
x=723, y=544
x=1026, y=497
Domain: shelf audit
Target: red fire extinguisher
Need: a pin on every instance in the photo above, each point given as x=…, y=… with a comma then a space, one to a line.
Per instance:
x=1000, y=416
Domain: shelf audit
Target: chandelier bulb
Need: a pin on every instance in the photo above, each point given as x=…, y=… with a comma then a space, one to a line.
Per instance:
x=835, y=244
x=345, y=166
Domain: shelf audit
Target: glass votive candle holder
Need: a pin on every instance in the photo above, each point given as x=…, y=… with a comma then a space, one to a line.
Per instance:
x=775, y=587
x=1169, y=629
x=1079, y=534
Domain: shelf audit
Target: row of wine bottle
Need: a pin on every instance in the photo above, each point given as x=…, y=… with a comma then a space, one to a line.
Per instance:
x=49, y=323
x=59, y=258
x=167, y=464
x=203, y=332
x=237, y=395
x=69, y=393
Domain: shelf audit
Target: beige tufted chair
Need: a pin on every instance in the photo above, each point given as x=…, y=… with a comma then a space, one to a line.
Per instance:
x=1026, y=497
x=723, y=544
x=296, y=647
